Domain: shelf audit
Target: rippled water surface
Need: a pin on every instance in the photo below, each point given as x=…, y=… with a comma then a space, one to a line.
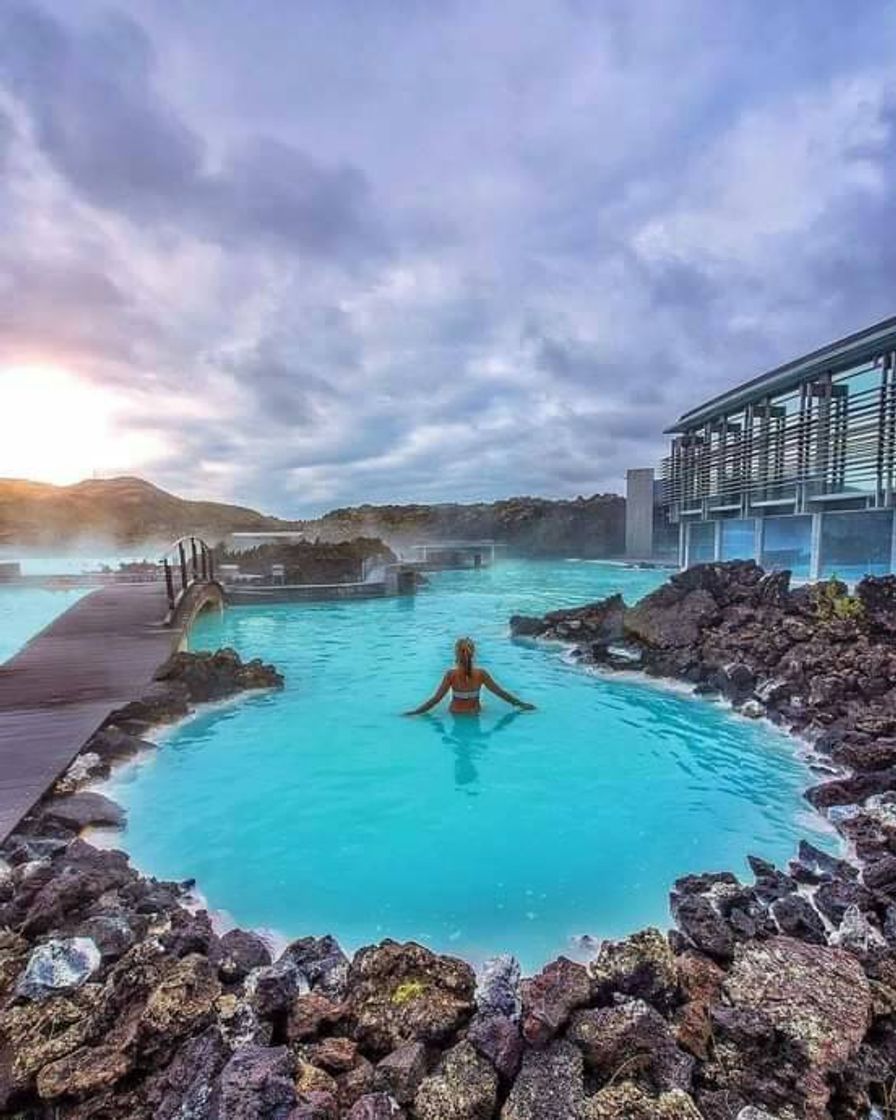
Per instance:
x=320, y=809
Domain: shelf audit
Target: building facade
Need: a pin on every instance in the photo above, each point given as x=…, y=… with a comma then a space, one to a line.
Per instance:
x=795, y=468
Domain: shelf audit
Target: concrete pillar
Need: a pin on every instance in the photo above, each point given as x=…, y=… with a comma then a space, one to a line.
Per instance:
x=639, y=513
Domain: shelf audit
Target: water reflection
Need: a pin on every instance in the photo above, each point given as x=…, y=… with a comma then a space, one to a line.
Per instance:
x=467, y=737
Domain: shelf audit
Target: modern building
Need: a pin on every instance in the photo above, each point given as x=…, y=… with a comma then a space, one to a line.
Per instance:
x=649, y=534
x=795, y=468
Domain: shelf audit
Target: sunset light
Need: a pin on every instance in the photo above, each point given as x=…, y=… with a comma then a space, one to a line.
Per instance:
x=55, y=427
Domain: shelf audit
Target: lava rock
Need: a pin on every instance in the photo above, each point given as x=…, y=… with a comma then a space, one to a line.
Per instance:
x=335, y=1055
x=797, y=917
x=465, y=1087
x=736, y=681
x=311, y=1079
x=401, y=1072
x=550, y=997
x=817, y=997
x=633, y=1035
x=240, y=953
x=36, y=1033
x=700, y=983
x=400, y=993
x=275, y=988
x=14, y=952
x=113, y=745
x=67, y=889
x=498, y=1038
x=877, y=594
x=84, y=1072
x=311, y=1014
x=525, y=626
x=497, y=986
x=182, y=1091
x=630, y=1102
x=81, y=810
x=316, y=1106
x=191, y=933
x=375, y=1106
x=835, y=896
x=549, y=1085
x=856, y=933
x=851, y=791
x=355, y=1083
x=770, y=883
x=641, y=965
x=876, y=754
x=881, y=875
x=111, y=932
x=257, y=1084
x=59, y=965
x=182, y=1003
x=702, y=924
x=814, y=864
x=161, y=703
x=322, y=962
x=215, y=676
x=665, y=619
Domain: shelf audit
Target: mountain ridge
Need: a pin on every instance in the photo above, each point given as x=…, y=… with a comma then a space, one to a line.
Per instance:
x=127, y=511
x=117, y=511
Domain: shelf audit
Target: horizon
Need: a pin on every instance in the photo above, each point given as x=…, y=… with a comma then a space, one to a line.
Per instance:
x=332, y=509
x=391, y=255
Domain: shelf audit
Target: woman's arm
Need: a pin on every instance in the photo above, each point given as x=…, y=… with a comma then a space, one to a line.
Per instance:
x=434, y=699
x=492, y=685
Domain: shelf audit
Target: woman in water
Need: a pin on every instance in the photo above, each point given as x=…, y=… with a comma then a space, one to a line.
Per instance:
x=465, y=681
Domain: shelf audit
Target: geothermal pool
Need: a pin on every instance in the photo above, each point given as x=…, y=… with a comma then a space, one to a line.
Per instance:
x=320, y=809
x=25, y=611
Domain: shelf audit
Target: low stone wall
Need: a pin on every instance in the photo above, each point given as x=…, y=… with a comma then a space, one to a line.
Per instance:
x=302, y=593
x=775, y=998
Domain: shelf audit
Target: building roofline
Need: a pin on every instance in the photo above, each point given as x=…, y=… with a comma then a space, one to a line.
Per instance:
x=832, y=358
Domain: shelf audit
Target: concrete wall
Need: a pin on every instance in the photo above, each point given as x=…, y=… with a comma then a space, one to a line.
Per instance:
x=639, y=513
x=247, y=595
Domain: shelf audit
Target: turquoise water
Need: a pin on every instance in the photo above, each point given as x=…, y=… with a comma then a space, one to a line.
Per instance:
x=26, y=611
x=65, y=565
x=320, y=809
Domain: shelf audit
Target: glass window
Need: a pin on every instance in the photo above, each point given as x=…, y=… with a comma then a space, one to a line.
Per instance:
x=665, y=535
x=862, y=379
x=855, y=430
x=734, y=436
x=738, y=539
x=701, y=542
x=856, y=544
x=787, y=543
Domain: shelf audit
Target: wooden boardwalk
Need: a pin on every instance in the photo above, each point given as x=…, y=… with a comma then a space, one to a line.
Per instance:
x=54, y=693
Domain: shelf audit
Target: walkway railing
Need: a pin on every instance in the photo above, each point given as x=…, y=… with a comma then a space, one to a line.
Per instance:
x=189, y=560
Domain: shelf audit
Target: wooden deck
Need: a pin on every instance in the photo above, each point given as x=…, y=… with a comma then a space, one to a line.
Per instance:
x=54, y=693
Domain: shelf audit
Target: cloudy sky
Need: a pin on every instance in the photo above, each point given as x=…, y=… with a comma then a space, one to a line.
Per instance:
x=306, y=253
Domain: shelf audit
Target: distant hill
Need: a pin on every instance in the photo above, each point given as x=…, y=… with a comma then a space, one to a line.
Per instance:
x=123, y=512
x=115, y=511
x=587, y=527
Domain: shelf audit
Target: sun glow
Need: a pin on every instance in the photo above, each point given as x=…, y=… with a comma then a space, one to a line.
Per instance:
x=55, y=427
